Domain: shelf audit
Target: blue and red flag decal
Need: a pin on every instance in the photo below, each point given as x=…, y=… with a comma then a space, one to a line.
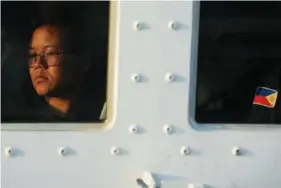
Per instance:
x=265, y=97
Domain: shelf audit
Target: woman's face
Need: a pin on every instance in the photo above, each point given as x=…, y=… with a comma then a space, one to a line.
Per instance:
x=47, y=71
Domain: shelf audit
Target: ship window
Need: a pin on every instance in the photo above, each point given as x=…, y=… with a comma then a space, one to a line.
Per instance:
x=54, y=62
x=238, y=65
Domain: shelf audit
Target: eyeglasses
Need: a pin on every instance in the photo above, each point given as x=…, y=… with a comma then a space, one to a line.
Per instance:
x=50, y=59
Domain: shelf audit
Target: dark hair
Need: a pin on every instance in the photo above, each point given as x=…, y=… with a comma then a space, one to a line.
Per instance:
x=68, y=17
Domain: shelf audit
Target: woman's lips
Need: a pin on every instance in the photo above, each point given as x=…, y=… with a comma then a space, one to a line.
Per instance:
x=40, y=79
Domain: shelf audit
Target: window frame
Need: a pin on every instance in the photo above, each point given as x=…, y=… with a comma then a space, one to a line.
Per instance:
x=111, y=82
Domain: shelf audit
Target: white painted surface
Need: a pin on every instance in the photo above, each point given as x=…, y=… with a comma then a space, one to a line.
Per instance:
x=152, y=103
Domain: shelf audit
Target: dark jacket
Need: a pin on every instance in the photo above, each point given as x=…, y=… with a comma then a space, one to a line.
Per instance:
x=83, y=108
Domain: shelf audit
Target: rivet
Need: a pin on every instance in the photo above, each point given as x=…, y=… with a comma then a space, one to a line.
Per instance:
x=63, y=151
x=170, y=77
x=236, y=151
x=136, y=78
x=172, y=25
x=133, y=129
x=8, y=151
x=185, y=150
x=168, y=129
x=137, y=25
x=114, y=151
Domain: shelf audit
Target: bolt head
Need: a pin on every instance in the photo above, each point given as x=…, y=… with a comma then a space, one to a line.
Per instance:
x=133, y=129
x=9, y=151
x=136, y=78
x=170, y=77
x=172, y=25
x=114, y=151
x=63, y=151
x=236, y=151
x=137, y=25
x=168, y=129
x=185, y=150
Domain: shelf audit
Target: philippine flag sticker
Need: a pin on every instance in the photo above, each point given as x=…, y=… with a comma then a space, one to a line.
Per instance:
x=265, y=97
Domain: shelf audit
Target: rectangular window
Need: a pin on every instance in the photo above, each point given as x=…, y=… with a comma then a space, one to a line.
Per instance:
x=54, y=60
x=239, y=60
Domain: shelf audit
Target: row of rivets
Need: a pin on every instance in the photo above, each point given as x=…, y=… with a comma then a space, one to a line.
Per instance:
x=168, y=129
x=139, y=25
x=63, y=151
x=169, y=77
x=184, y=150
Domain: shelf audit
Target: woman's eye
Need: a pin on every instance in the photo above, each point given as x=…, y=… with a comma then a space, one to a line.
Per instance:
x=50, y=53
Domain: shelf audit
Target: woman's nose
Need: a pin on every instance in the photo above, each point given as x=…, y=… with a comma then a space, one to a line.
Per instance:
x=39, y=62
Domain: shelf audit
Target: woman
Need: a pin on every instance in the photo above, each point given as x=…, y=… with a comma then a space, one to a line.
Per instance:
x=57, y=66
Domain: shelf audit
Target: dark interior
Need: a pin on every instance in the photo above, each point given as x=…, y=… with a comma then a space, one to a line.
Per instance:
x=238, y=43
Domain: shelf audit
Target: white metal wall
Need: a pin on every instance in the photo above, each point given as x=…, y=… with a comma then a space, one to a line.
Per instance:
x=152, y=103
